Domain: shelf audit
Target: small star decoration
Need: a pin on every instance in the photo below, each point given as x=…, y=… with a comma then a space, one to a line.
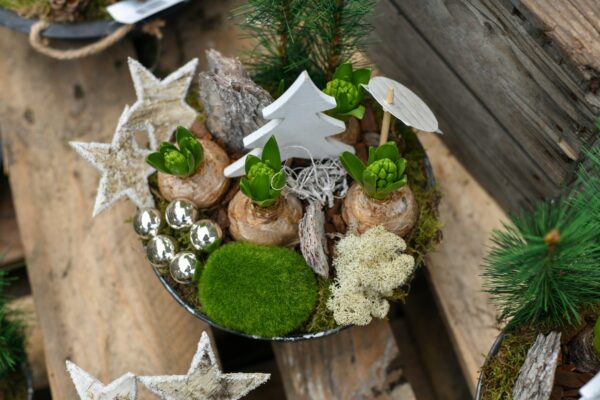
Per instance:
x=204, y=380
x=162, y=102
x=160, y=108
x=89, y=388
x=123, y=166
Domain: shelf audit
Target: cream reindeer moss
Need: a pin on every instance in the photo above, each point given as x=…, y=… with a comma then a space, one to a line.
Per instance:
x=369, y=267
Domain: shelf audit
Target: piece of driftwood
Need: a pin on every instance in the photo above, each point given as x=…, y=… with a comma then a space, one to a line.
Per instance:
x=359, y=363
x=516, y=95
x=232, y=101
x=313, y=242
x=536, y=376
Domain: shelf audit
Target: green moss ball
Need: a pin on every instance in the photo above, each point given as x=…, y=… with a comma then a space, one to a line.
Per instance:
x=258, y=290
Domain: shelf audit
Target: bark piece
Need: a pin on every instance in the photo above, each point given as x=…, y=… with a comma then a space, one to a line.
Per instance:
x=352, y=133
x=313, y=242
x=582, y=351
x=536, y=377
x=232, y=101
x=368, y=123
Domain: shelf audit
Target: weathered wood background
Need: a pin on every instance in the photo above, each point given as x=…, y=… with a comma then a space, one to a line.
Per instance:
x=514, y=83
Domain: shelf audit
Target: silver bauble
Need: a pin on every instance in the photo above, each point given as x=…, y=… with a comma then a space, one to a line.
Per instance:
x=160, y=250
x=147, y=222
x=182, y=267
x=206, y=235
x=181, y=214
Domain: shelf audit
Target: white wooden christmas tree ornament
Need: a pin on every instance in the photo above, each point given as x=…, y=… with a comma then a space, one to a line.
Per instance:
x=162, y=102
x=299, y=126
x=591, y=390
x=89, y=388
x=404, y=105
x=122, y=164
x=204, y=379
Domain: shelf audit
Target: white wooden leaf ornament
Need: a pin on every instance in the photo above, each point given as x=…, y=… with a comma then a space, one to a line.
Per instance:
x=406, y=105
x=299, y=126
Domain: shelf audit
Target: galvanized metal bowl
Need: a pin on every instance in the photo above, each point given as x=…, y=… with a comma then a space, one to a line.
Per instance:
x=288, y=338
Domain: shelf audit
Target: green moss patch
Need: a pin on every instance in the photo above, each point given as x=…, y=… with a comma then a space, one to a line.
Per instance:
x=322, y=318
x=501, y=372
x=258, y=290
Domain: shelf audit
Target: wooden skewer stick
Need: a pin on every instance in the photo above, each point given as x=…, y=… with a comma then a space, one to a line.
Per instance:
x=385, y=124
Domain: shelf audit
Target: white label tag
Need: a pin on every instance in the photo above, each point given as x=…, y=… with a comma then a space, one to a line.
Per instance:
x=132, y=11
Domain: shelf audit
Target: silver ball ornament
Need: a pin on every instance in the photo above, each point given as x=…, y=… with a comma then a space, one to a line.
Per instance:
x=181, y=214
x=182, y=267
x=160, y=250
x=147, y=222
x=206, y=235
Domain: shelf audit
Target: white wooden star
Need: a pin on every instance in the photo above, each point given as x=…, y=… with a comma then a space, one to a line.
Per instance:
x=204, y=380
x=123, y=166
x=162, y=102
x=89, y=388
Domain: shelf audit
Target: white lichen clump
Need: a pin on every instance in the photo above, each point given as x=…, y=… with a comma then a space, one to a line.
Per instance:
x=369, y=267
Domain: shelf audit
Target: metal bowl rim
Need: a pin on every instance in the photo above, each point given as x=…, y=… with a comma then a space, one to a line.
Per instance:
x=491, y=354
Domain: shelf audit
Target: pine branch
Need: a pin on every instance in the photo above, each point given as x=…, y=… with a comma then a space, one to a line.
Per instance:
x=543, y=266
x=12, y=335
x=296, y=35
x=341, y=29
x=280, y=52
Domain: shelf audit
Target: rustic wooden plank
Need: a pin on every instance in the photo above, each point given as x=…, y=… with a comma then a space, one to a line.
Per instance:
x=517, y=115
x=357, y=363
x=411, y=358
x=99, y=303
x=211, y=26
x=573, y=27
x=468, y=214
x=432, y=342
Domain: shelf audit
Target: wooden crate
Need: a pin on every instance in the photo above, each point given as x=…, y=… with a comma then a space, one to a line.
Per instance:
x=514, y=83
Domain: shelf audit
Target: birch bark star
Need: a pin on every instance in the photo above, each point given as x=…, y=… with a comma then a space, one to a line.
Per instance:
x=204, y=380
x=89, y=388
